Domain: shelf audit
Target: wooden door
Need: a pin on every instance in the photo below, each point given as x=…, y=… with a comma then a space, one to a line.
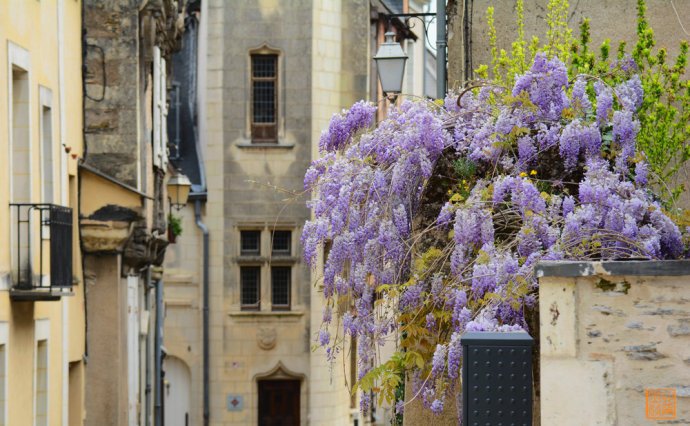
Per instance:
x=279, y=402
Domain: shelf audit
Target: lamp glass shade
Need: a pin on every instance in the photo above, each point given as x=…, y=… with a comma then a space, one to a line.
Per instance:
x=178, y=189
x=390, y=62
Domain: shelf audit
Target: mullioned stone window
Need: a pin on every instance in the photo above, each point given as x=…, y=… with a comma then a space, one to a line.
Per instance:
x=266, y=257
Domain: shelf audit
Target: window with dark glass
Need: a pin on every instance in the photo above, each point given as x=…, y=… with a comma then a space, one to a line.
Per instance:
x=264, y=98
x=250, y=243
x=280, y=287
x=281, y=242
x=250, y=282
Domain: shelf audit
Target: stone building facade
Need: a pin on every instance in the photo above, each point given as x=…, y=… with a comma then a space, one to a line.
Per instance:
x=268, y=78
x=127, y=50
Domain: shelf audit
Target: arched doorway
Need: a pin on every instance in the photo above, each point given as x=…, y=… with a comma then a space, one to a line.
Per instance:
x=178, y=383
x=280, y=397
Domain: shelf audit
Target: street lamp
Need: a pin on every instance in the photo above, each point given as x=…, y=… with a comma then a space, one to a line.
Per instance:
x=178, y=190
x=390, y=62
x=390, y=59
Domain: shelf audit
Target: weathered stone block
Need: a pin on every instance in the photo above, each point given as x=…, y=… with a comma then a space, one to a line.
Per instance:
x=557, y=320
x=631, y=334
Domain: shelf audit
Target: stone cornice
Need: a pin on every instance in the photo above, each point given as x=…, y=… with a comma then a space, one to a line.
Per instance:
x=646, y=268
x=104, y=236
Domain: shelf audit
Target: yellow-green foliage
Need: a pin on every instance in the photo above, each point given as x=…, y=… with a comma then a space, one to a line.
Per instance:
x=505, y=66
x=664, y=134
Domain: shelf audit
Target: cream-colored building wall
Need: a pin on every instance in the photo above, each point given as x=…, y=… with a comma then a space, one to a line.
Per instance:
x=48, y=35
x=97, y=192
x=211, y=49
x=183, y=294
x=329, y=399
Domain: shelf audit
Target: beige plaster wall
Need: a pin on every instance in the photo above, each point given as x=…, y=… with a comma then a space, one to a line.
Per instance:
x=97, y=192
x=605, y=340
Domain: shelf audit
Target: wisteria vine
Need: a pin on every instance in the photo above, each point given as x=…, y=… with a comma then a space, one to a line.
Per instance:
x=545, y=170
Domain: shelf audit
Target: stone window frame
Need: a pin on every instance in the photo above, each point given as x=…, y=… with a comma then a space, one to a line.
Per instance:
x=280, y=142
x=266, y=260
x=41, y=334
x=45, y=97
x=18, y=58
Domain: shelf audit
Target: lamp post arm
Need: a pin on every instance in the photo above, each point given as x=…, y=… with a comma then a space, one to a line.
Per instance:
x=409, y=15
x=441, y=49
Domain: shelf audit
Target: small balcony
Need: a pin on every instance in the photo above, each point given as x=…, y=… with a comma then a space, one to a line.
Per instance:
x=41, y=248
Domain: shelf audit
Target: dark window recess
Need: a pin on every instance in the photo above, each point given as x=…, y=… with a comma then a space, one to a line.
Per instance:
x=250, y=282
x=250, y=243
x=264, y=98
x=280, y=287
x=327, y=246
x=281, y=242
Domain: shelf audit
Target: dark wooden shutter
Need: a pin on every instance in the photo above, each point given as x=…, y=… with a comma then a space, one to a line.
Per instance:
x=279, y=403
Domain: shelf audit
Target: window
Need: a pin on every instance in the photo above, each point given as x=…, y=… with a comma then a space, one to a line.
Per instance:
x=264, y=94
x=281, y=242
x=20, y=170
x=47, y=153
x=280, y=287
x=250, y=283
x=265, y=268
x=250, y=243
x=41, y=403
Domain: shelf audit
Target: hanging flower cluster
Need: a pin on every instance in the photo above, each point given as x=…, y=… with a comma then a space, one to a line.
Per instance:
x=545, y=171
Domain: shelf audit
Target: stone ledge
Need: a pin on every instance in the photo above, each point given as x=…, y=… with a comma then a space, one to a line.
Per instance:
x=249, y=316
x=250, y=145
x=273, y=260
x=644, y=268
x=266, y=313
x=104, y=236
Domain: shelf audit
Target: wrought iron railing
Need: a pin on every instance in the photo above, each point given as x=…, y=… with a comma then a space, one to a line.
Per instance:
x=41, y=241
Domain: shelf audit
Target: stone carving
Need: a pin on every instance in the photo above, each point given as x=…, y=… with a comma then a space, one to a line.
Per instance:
x=266, y=338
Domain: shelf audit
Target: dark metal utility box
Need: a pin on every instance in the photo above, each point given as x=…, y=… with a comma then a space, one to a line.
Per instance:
x=497, y=379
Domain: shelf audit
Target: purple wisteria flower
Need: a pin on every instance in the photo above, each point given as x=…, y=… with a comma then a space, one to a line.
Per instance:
x=604, y=103
x=552, y=178
x=580, y=98
x=361, y=115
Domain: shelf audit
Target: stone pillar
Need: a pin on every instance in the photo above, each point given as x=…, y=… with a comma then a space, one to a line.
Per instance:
x=106, y=401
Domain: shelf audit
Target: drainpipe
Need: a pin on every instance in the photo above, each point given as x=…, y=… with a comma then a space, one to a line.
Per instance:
x=204, y=230
x=157, y=354
x=147, y=390
x=441, y=49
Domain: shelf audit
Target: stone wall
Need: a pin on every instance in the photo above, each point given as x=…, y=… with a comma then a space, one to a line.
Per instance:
x=616, y=20
x=111, y=89
x=609, y=332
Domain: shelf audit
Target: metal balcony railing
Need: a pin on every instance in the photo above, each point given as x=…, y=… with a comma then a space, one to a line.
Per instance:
x=41, y=246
